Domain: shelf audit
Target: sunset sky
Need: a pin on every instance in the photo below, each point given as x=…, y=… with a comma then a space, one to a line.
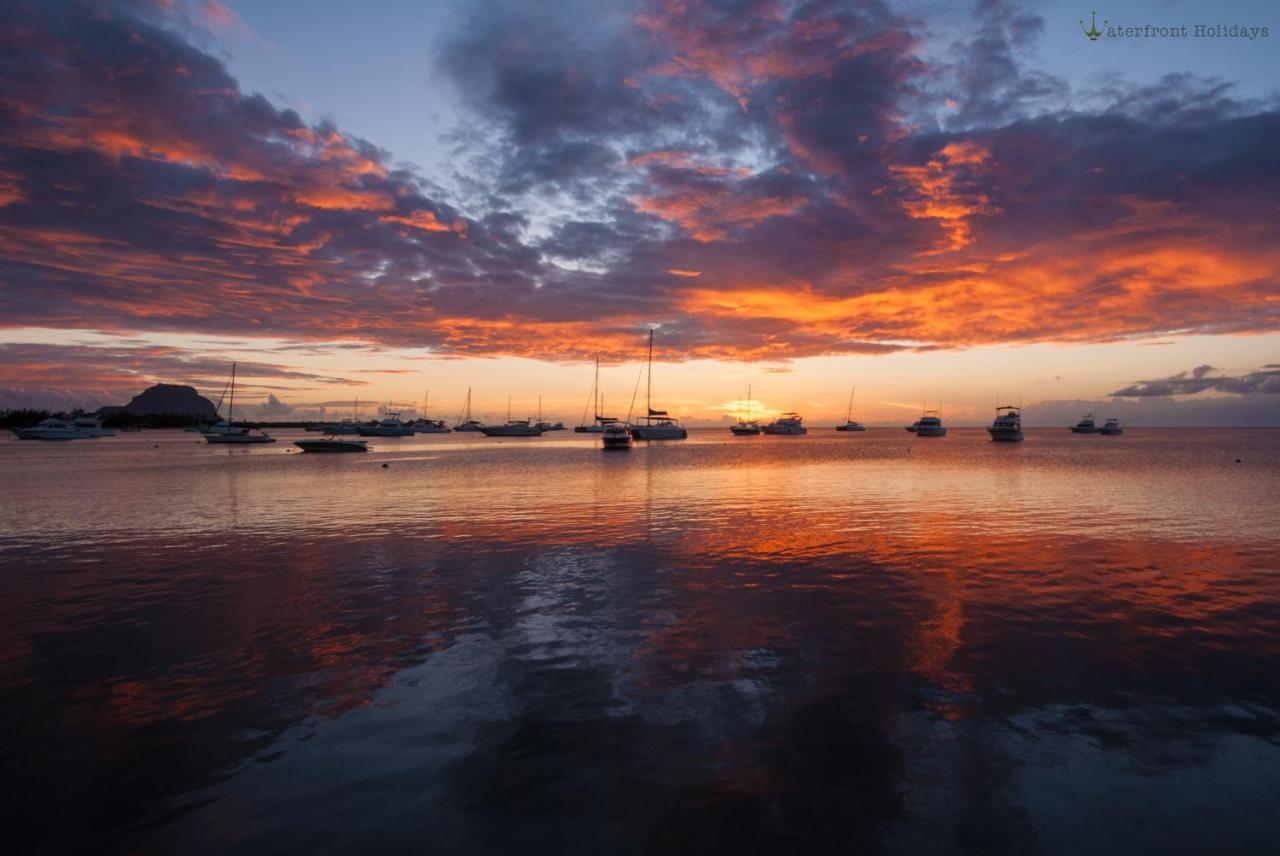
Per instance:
x=941, y=202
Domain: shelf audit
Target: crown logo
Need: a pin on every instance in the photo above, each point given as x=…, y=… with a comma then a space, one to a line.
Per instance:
x=1093, y=32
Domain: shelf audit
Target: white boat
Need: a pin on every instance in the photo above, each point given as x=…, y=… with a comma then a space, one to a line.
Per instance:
x=928, y=425
x=1111, y=428
x=788, y=424
x=656, y=424
x=91, y=426
x=465, y=422
x=227, y=432
x=1007, y=426
x=512, y=427
x=849, y=423
x=49, y=429
x=332, y=444
x=599, y=421
x=615, y=437
x=1086, y=425
x=746, y=426
x=423, y=425
x=389, y=426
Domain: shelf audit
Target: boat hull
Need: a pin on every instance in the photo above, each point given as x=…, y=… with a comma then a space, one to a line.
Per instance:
x=436, y=429
x=739, y=431
x=37, y=434
x=1111, y=432
x=589, y=429
x=930, y=432
x=658, y=432
x=331, y=446
x=910, y=429
x=379, y=431
x=509, y=431
x=851, y=427
x=238, y=439
x=785, y=431
x=616, y=441
x=466, y=427
x=1005, y=435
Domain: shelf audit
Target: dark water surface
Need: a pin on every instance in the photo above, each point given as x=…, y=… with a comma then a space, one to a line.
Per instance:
x=873, y=643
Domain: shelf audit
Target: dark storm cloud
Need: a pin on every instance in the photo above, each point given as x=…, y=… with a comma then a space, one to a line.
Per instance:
x=763, y=179
x=1202, y=379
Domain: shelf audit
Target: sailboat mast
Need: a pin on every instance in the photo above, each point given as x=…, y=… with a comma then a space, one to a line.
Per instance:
x=508, y=408
x=595, y=391
x=750, y=403
x=232, y=418
x=648, y=390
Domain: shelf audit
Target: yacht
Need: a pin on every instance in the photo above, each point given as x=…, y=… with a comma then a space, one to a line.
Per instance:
x=1111, y=427
x=656, y=424
x=512, y=427
x=615, y=436
x=332, y=444
x=226, y=432
x=787, y=423
x=389, y=426
x=849, y=424
x=1007, y=425
x=746, y=426
x=49, y=429
x=91, y=426
x=928, y=425
x=465, y=422
x=1087, y=425
x=599, y=421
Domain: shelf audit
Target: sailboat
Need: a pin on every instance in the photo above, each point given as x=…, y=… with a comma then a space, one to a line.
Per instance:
x=429, y=426
x=546, y=426
x=598, y=421
x=346, y=426
x=465, y=422
x=849, y=424
x=746, y=426
x=656, y=424
x=227, y=431
x=513, y=427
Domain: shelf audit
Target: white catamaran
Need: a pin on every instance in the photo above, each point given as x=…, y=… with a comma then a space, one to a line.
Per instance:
x=656, y=424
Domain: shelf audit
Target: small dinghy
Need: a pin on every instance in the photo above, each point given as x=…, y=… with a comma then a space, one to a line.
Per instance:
x=332, y=444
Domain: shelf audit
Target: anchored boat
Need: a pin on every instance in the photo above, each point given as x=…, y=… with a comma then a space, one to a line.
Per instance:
x=227, y=432
x=1007, y=425
x=788, y=423
x=849, y=423
x=746, y=426
x=656, y=424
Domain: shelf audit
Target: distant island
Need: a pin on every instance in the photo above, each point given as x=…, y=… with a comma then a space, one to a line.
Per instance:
x=166, y=399
x=165, y=405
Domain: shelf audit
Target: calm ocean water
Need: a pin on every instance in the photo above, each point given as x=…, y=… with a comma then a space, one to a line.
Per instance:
x=847, y=644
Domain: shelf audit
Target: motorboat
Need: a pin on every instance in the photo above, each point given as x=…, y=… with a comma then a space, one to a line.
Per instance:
x=746, y=426
x=656, y=424
x=226, y=432
x=49, y=429
x=332, y=444
x=389, y=426
x=1111, y=428
x=615, y=437
x=928, y=425
x=1086, y=425
x=1007, y=426
x=552, y=426
x=512, y=427
x=91, y=426
x=791, y=424
x=849, y=423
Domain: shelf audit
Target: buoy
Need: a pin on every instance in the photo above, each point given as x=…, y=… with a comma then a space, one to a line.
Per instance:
x=384, y=466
